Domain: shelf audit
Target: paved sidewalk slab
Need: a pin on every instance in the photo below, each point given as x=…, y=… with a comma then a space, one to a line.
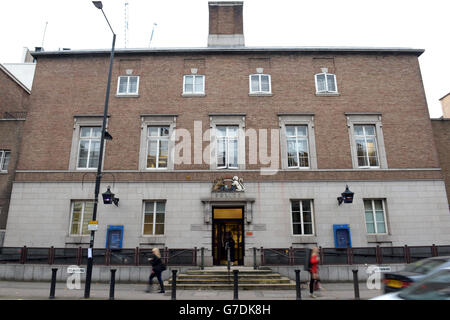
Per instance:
x=11, y=290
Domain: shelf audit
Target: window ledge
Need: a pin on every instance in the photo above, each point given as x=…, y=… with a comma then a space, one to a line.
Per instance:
x=304, y=239
x=260, y=94
x=152, y=239
x=78, y=239
x=378, y=238
x=327, y=94
x=127, y=95
x=193, y=95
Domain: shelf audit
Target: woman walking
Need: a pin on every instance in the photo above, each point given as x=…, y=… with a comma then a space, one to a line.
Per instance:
x=314, y=271
x=157, y=268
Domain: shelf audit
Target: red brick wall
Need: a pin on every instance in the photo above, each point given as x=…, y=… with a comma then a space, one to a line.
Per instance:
x=225, y=19
x=441, y=130
x=13, y=98
x=385, y=83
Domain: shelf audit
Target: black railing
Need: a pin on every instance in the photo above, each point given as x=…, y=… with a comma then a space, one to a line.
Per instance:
x=106, y=257
x=188, y=257
x=350, y=256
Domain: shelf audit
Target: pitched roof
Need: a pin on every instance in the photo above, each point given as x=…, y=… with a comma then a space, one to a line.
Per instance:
x=9, y=74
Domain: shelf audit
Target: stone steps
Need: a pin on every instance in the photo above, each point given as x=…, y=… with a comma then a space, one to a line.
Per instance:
x=218, y=278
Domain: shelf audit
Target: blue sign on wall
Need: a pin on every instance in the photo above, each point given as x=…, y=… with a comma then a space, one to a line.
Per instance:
x=342, y=238
x=114, y=237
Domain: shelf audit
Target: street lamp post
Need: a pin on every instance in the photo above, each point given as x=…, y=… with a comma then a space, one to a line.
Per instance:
x=87, y=288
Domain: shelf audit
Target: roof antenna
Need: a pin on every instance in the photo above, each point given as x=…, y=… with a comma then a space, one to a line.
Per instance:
x=126, y=25
x=153, y=30
x=43, y=37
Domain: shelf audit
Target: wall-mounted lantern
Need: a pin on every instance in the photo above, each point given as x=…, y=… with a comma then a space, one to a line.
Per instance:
x=346, y=196
x=108, y=197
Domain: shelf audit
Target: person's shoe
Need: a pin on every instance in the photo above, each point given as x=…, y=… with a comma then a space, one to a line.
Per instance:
x=312, y=295
x=161, y=291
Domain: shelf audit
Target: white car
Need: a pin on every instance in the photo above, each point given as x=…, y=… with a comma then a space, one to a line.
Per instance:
x=433, y=287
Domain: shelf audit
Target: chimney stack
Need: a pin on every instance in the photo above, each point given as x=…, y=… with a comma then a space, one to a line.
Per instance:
x=226, y=28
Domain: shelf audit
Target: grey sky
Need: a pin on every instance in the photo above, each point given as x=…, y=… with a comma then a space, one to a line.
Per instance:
x=77, y=24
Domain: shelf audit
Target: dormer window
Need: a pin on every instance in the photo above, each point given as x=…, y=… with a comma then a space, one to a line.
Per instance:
x=326, y=83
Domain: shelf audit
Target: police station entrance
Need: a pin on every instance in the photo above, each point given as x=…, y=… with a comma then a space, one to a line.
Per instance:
x=228, y=229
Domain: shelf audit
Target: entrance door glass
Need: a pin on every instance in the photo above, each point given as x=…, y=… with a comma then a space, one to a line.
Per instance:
x=223, y=229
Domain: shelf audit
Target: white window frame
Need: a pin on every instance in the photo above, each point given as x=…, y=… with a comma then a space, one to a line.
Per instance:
x=374, y=216
x=127, y=93
x=306, y=138
x=4, y=154
x=259, y=75
x=194, y=76
x=89, y=148
x=81, y=218
x=326, y=74
x=297, y=119
x=157, y=120
x=365, y=136
x=158, y=140
x=227, y=119
x=154, y=218
x=311, y=202
x=358, y=118
x=228, y=139
x=83, y=121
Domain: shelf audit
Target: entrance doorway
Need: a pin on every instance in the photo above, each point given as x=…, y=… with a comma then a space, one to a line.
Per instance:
x=228, y=222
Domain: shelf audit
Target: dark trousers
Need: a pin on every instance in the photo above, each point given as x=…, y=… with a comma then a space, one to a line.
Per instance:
x=312, y=283
x=156, y=274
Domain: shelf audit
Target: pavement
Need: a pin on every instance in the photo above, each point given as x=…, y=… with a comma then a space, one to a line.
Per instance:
x=15, y=290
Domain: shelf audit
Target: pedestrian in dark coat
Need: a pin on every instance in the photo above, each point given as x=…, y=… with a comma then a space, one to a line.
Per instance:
x=157, y=268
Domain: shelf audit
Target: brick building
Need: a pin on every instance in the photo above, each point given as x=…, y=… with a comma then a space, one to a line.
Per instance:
x=186, y=121
x=14, y=97
x=441, y=131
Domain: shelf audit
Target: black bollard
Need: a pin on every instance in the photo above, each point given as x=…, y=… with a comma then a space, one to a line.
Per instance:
x=356, y=284
x=174, y=284
x=297, y=285
x=202, y=266
x=53, y=284
x=236, y=294
x=254, y=259
x=112, y=284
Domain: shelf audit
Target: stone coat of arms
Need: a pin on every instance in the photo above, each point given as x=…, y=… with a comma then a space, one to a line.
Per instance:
x=228, y=184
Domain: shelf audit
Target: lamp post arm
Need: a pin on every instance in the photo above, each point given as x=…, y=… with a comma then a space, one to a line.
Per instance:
x=108, y=22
